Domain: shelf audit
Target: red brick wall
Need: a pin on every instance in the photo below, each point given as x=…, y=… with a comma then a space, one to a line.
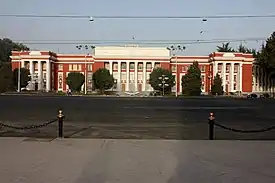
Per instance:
x=98, y=65
x=247, y=77
x=165, y=65
x=14, y=65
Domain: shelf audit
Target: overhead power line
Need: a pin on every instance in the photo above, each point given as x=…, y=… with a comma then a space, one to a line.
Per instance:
x=137, y=40
x=136, y=17
x=141, y=42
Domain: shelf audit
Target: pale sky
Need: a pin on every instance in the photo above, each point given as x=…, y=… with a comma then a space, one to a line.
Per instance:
x=142, y=29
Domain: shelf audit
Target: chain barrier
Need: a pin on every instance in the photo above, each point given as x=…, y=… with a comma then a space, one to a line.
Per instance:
x=244, y=131
x=212, y=123
x=28, y=127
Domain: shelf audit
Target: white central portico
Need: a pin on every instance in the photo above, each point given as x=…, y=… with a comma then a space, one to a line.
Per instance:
x=131, y=65
x=40, y=69
x=40, y=73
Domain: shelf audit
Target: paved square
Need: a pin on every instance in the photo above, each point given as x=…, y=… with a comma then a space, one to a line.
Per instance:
x=135, y=161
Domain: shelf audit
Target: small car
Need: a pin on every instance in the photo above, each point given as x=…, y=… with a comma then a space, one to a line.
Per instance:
x=252, y=96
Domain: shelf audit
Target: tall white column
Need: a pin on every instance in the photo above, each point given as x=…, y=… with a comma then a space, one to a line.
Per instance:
x=119, y=76
x=241, y=77
x=144, y=77
x=223, y=75
x=136, y=76
x=111, y=67
x=22, y=64
x=231, y=77
x=32, y=75
x=40, y=77
x=48, y=76
x=153, y=66
x=215, y=69
x=127, y=75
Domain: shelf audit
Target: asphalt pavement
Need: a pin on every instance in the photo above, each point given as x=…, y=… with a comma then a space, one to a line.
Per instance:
x=136, y=118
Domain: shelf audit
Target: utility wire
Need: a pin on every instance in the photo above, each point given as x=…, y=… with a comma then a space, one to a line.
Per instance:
x=137, y=42
x=136, y=17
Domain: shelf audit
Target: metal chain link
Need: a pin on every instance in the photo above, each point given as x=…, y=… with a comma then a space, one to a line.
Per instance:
x=27, y=127
x=245, y=131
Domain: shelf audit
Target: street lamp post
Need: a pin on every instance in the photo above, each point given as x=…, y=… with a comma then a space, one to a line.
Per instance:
x=86, y=47
x=210, y=82
x=163, y=84
x=173, y=49
x=19, y=73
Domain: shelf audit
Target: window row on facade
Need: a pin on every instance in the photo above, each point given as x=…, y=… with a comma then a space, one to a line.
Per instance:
x=228, y=67
x=140, y=65
x=185, y=68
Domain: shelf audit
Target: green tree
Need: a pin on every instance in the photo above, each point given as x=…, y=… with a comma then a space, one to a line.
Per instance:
x=75, y=80
x=24, y=77
x=103, y=80
x=244, y=49
x=156, y=82
x=7, y=45
x=225, y=47
x=5, y=77
x=191, y=81
x=217, y=88
x=265, y=58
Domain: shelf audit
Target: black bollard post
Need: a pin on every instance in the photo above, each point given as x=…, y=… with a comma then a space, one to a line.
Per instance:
x=60, y=117
x=211, y=126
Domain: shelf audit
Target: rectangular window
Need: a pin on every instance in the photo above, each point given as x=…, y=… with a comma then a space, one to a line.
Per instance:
x=220, y=68
x=202, y=78
x=106, y=65
x=235, y=86
x=75, y=67
x=227, y=68
x=148, y=66
x=174, y=68
x=227, y=77
x=140, y=66
x=60, y=67
x=157, y=65
x=79, y=67
x=90, y=67
x=184, y=68
x=202, y=86
x=35, y=66
x=203, y=68
x=115, y=66
x=235, y=78
x=132, y=66
x=236, y=68
x=44, y=66
x=123, y=66
x=70, y=67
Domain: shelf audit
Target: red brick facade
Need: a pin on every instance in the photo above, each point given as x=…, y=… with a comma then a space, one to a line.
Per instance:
x=234, y=68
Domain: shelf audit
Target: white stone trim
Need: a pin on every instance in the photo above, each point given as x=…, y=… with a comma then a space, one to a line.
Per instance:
x=48, y=76
x=232, y=59
x=74, y=59
x=31, y=57
x=153, y=59
x=74, y=62
x=190, y=60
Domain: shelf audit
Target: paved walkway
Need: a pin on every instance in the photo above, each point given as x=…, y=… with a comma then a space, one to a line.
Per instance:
x=124, y=161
